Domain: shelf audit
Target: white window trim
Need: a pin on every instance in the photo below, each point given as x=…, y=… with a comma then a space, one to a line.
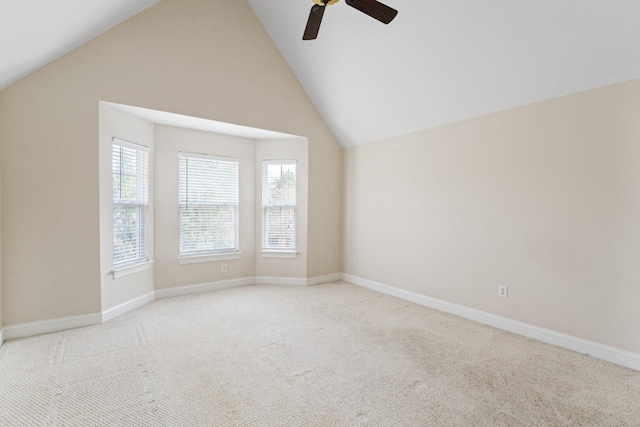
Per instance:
x=131, y=269
x=131, y=145
x=133, y=266
x=280, y=253
x=195, y=259
x=269, y=253
x=280, y=162
x=187, y=258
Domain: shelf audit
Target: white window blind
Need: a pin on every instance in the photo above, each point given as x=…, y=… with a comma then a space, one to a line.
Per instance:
x=279, y=204
x=208, y=204
x=130, y=166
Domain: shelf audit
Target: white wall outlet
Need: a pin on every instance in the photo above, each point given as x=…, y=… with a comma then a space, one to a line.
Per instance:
x=223, y=268
x=503, y=291
x=355, y=260
x=330, y=258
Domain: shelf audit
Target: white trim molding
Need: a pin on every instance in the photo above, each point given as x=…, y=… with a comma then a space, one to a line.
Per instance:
x=593, y=349
x=245, y=281
x=62, y=324
x=285, y=281
x=204, y=287
x=268, y=253
x=319, y=280
x=195, y=259
x=131, y=269
x=126, y=307
x=23, y=330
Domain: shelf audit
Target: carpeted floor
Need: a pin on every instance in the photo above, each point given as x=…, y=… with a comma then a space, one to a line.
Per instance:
x=327, y=355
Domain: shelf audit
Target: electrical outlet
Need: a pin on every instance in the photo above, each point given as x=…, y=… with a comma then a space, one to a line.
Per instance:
x=355, y=260
x=223, y=268
x=330, y=258
x=503, y=291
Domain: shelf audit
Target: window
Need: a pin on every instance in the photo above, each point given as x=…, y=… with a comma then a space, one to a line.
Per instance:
x=130, y=166
x=279, y=205
x=208, y=200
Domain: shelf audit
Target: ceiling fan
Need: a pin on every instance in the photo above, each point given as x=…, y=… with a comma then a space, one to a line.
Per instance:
x=373, y=8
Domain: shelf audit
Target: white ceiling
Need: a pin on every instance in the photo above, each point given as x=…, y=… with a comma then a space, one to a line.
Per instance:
x=36, y=32
x=438, y=62
x=442, y=61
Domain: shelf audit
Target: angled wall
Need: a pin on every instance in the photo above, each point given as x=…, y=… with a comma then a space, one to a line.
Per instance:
x=284, y=149
x=115, y=123
x=544, y=199
x=170, y=142
x=203, y=58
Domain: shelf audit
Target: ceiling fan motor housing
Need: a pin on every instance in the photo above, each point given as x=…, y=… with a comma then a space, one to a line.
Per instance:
x=321, y=3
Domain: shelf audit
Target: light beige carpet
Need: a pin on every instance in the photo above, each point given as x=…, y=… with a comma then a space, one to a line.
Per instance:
x=327, y=355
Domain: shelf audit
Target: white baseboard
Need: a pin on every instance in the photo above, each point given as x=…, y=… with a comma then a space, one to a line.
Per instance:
x=126, y=307
x=324, y=279
x=599, y=351
x=284, y=281
x=246, y=281
x=23, y=330
x=56, y=325
x=204, y=287
x=298, y=281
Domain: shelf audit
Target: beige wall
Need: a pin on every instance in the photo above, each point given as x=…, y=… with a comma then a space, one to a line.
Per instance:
x=50, y=198
x=170, y=141
x=204, y=58
x=543, y=198
x=286, y=149
x=115, y=123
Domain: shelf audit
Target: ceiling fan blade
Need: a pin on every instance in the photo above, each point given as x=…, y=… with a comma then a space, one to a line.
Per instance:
x=374, y=9
x=313, y=24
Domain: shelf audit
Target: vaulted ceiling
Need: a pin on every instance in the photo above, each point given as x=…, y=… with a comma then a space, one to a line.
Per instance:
x=438, y=62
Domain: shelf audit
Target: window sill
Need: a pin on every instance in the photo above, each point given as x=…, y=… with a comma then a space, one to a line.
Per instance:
x=279, y=254
x=131, y=269
x=195, y=259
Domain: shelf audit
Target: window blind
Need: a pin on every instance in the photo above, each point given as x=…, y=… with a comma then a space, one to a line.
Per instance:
x=279, y=204
x=130, y=166
x=208, y=204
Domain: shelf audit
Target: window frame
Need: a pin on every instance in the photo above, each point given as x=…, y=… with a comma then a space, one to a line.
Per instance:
x=142, y=203
x=190, y=257
x=270, y=251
